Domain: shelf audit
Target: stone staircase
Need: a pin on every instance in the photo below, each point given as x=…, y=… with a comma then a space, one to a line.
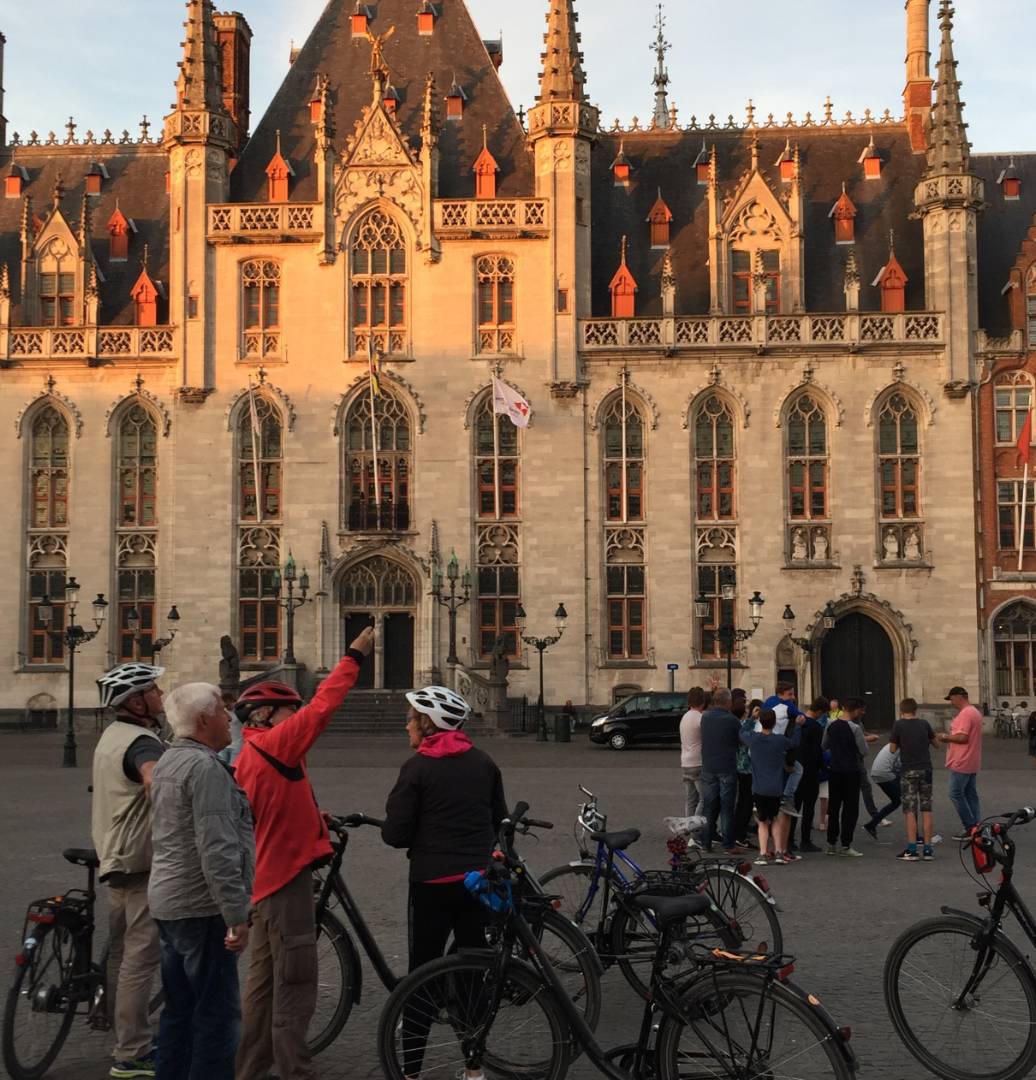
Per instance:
x=371, y=712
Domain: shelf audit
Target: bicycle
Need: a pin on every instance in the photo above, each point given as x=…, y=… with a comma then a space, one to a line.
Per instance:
x=596, y=891
x=56, y=977
x=960, y=993
x=340, y=975
x=734, y=1015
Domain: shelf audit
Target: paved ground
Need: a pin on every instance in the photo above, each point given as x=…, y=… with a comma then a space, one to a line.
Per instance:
x=838, y=915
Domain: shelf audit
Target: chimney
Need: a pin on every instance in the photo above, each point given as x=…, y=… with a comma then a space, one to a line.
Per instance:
x=917, y=96
x=234, y=37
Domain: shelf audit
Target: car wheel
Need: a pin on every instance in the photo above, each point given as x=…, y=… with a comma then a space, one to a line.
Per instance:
x=618, y=740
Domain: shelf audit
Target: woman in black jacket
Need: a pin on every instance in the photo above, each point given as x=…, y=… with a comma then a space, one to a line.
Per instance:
x=446, y=809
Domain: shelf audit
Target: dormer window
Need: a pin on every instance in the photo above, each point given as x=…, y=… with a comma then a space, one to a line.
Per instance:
x=95, y=178
x=58, y=298
x=701, y=166
x=316, y=104
x=1010, y=183
x=279, y=173
x=361, y=17
x=660, y=219
x=120, y=229
x=623, y=288
x=786, y=164
x=15, y=181
x=427, y=13
x=145, y=294
x=455, y=102
x=892, y=281
x=485, y=169
x=390, y=99
x=746, y=268
x=621, y=167
x=844, y=213
x=870, y=159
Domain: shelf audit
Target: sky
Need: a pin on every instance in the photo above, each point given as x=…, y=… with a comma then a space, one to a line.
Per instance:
x=106, y=62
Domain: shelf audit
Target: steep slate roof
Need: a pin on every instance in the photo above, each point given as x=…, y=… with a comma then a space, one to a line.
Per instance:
x=137, y=183
x=1001, y=230
x=829, y=156
x=454, y=49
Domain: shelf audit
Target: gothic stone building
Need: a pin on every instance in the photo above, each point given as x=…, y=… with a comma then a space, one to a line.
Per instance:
x=760, y=356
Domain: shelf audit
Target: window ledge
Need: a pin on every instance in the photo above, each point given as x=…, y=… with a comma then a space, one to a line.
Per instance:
x=813, y=566
x=498, y=356
x=41, y=669
x=251, y=361
x=904, y=564
x=376, y=534
x=629, y=664
x=393, y=358
x=485, y=665
x=719, y=664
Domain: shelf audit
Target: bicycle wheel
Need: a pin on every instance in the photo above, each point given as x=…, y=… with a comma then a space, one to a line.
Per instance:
x=744, y=902
x=574, y=961
x=336, y=989
x=634, y=939
x=40, y=1007
x=992, y=1036
x=437, y=1010
x=737, y=1023
x=572, y=884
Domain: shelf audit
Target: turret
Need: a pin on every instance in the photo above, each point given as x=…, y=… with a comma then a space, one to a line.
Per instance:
x=917, y=95
x=660, y=117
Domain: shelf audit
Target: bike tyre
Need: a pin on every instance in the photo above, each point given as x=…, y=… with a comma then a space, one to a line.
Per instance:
x=572, y=883
x=17, y=1067
x=435, y=980
x=340, y=956
x=744, y=902
x=700, y=999
x=1017, y=978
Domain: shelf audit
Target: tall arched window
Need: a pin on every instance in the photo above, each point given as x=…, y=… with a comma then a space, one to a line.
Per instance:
x=496, y=462
x=259, y=478
x=496, y=304
x=379, y=282
x=714, y=460
x=48, y=482
x=623, y=460
x=806, y=463
x=138, y=468
x=899, y=480
x=1012, y=402
x=377, y=484
x=1012, y=396
x=260, y=308
x=1014, y=646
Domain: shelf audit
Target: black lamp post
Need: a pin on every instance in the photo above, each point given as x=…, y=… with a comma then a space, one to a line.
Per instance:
x=154, y=647
x=452, y=602
x=291, y=603
x=72, y=637
x=806, y=644
x=727, y=632
x=541, y=644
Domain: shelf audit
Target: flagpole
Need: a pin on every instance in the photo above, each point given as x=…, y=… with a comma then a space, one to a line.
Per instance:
x=254, y=424
x=374, y=428
x=623, y=509
x=496, y=455
x=1021, y=531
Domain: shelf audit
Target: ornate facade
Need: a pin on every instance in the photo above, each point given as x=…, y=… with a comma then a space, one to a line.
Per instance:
x=764, y=355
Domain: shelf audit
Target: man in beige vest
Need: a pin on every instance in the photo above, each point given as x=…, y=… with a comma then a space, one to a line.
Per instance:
x=121, y=824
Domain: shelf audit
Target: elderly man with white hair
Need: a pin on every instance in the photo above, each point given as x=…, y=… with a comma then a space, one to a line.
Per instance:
x=202, y=872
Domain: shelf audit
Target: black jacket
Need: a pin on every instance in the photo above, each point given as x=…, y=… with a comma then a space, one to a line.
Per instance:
x=447, y=811
x=811, y=755
x=720, y=739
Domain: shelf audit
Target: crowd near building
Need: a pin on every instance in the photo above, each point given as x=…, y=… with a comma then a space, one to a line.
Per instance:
x=767, y=354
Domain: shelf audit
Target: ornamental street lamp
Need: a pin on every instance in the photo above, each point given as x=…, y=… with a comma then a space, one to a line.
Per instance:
x=828, y=619
x=727, y=633
x=72, y=637
x=291, y=603
x=452, y=602
x=541, y=644
x=141, y=644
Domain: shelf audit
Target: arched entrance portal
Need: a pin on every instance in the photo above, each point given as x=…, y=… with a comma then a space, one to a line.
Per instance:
x=856, y=660
x=383, y=592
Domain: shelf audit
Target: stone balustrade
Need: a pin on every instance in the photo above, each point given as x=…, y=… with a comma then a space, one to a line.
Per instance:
x=230, y=221
x=462, y=218
x=87, y=343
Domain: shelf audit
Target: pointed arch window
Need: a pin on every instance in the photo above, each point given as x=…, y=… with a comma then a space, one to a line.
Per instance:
x=899, y=459
x=1014, y=646
x=714, y=463
x=137, y=468
x=623, y=460
x=807, y=460
x=378, y=266
x=49, y=470
x=260, y=455
x=496, y=304
x=497, y=462
x=260, y=308
x=377, y=484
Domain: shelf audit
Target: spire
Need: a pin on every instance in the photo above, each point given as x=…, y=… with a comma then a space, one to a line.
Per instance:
x=562, y=78
x=948, y=148
x=85, y=223
x=200, y=85
x=429, y=115
x=661, y=47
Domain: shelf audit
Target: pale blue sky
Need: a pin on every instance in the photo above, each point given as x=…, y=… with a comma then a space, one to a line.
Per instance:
x=108, y=61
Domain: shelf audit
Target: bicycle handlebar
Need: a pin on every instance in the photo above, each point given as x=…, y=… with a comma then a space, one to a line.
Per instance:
x=351, y=821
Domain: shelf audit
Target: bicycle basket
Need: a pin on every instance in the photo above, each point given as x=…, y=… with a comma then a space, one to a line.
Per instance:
x=70, y=911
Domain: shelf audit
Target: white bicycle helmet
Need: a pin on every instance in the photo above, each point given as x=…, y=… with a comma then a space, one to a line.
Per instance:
x=126, y=680
x=445, y=708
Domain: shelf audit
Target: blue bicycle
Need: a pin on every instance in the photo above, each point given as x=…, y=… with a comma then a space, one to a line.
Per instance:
x=597, y=892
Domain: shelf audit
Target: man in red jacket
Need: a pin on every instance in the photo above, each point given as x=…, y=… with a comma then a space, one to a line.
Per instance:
x=290, y=838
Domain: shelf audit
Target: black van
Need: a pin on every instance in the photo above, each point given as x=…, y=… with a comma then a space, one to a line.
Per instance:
x=648, y=717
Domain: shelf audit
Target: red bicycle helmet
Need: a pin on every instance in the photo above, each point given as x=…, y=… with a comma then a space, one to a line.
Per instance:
x=265, y=693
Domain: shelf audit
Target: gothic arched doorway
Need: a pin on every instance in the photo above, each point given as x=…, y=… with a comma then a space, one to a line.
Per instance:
x=856, y=660
x=384, y=592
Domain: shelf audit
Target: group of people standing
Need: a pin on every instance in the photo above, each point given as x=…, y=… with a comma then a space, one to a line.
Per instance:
x=781, y=763
x=205, y=857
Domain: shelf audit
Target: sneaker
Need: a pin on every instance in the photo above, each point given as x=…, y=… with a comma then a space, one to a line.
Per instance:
x=762, y=860
x=961, y=837
x=886, y=823
x=871, y=831
x=928, y=855
x=788, y=807
x=126, y=1070
x=850, y=852
x=791, y=856
x=780, y=860
x=810, y=849
x=831, y=849
x=909, y=855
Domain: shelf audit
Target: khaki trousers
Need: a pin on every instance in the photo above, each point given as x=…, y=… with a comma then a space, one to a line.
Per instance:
x=132, y=966
x=281, y=988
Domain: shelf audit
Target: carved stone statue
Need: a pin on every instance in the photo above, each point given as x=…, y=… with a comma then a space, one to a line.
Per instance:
x=230, y=665
x=891, y=545
x=378, y=66
x=499, y=665
x=820, y=545
x=912, y=545
x=799, y=551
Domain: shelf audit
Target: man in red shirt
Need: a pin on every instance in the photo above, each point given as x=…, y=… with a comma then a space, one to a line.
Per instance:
x=964, y=759
x=290, y=838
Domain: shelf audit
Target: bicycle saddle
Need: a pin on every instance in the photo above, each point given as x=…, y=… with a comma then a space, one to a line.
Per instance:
x=82, y=857
x=670, y=908
x=616, y=841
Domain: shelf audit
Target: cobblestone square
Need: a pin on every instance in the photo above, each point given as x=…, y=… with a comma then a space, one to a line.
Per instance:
x=838, y=915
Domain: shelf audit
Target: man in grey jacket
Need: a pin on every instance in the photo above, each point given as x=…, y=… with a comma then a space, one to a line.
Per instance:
x=201, y=883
